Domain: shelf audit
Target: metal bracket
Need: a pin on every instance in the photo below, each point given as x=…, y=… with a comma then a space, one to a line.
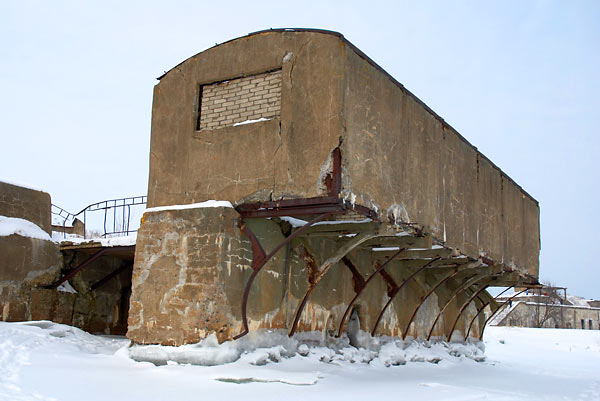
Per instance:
x=426, y=265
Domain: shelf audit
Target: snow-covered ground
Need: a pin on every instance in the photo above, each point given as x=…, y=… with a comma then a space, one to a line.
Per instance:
x=46, y=361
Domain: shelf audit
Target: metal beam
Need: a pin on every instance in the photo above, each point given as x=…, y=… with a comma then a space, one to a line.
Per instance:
x=402, y=241
x=431, y=291
x=481, y=308
x=324, y=268
x=380, y=268
x=457, y=291
x=81, y=266
x=258, y=261
x=496, y=311
x=397, y=290
x=465, y=306
x=101, y=282
x=440, y=264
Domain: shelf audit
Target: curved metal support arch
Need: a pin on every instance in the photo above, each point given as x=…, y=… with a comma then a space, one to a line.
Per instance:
x=481, y=308
x=496, y=311
x=259, y=261
x=431, y=291
x=465, y=306
x=458, y=290
x=324, y=268
x=380, y=268
x=397, y=290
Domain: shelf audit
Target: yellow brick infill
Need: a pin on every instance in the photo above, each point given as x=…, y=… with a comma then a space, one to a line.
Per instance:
x=238, y=100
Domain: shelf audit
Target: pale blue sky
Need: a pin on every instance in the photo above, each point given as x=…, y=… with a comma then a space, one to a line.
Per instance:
x=519, y=79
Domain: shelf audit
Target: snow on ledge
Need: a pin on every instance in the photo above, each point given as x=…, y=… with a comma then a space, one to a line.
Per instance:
x=105, y=242
x=22, y=227
x=209, y=203
x=252, y=121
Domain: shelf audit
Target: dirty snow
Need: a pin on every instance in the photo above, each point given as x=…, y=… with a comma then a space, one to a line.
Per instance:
x=22, y=227
x=519, y=364
x=66, y=287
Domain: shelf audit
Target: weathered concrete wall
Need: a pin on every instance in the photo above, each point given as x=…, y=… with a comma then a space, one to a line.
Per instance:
x=25, y=203
x=275, y=158
x=404, y=160
x=24, y=263
x=28, y=266
x=398, y=156
x=191, y=266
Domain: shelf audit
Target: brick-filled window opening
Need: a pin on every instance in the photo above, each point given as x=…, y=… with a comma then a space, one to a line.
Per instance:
x=227, y=103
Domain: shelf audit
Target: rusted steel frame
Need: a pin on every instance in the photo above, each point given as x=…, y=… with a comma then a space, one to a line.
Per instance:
x=482, y=307
x=79, y=268
x=301, y=211
x=258, y=253
x=365, y=211
x=391, y=283
x=288, y=203
x=397, y=290
x=357, y=279
x=423, y=299
x=102, y=281
x=496, y=311
x=465, y=306
x=457, y=291
x=262, y=260
x=337, y=256
x=380, y=268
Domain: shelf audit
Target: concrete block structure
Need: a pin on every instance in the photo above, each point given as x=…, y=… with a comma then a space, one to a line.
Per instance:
x=25, y=260
x=347, y=193
x=30, y=265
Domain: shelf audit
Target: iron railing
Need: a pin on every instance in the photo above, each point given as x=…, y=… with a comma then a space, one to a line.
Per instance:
x=116, y=219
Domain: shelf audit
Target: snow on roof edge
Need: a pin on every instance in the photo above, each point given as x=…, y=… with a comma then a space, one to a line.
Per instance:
x=22, y=185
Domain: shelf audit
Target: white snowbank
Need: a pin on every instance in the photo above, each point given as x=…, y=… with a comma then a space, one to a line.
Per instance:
x=271, y=346
x=210, y=203
x=521, y=364
x=22, y=227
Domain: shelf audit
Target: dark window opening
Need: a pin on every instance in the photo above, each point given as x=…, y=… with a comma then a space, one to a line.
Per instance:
x=199, y=114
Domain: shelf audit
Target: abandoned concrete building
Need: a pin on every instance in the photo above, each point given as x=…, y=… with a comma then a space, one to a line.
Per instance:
x=550, y=307
x=294, y=183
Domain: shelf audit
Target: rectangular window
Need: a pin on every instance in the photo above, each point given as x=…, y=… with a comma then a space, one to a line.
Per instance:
x=240, y=100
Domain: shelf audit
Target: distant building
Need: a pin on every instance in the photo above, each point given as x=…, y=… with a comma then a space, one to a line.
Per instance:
x=549, y=307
